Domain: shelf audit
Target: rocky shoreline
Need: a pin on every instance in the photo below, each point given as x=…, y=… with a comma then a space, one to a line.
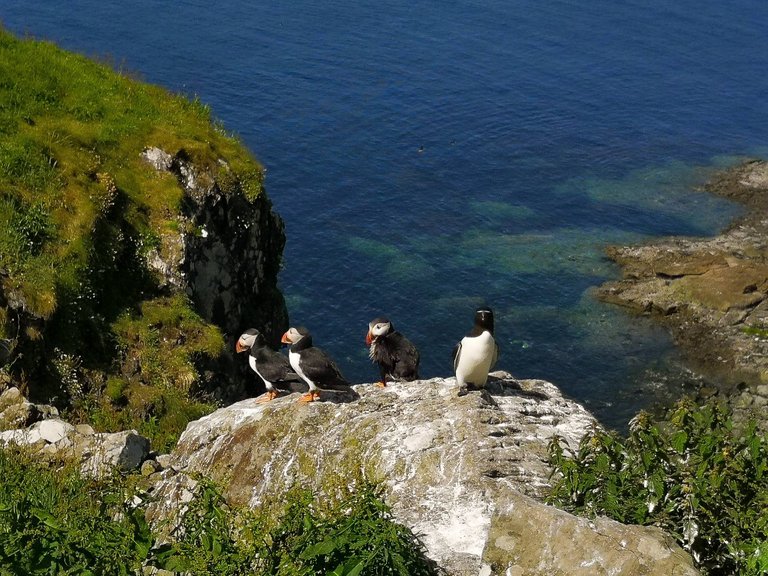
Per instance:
x=711, y=293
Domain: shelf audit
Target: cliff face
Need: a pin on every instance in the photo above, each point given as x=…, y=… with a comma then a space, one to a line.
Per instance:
x=226, y=255
x=462, y=470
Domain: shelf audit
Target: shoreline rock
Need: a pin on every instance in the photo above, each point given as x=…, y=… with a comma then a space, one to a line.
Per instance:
x=711, y=293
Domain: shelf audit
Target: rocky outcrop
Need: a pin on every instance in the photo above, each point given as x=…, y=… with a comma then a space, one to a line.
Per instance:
x=17, y=412
x=227, y=254
x=99, y=454
x=712, y=293
x=460, y=469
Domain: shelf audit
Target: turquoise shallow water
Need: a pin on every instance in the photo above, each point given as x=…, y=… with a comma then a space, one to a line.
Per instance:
x=431, y=157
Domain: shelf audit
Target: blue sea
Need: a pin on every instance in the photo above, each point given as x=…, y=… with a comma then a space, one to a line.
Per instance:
x=431, y=157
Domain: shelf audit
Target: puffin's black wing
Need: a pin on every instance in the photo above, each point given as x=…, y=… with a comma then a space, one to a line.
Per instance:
x=319, y=368
x=406, y=365
x=273, y=366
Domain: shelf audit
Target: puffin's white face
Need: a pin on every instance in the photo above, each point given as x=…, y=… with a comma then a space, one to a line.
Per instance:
x=245, y=342
x=379, y=328
x=292, y=336
x=376, y=328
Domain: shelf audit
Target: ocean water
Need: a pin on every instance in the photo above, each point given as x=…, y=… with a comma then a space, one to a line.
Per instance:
x=431, y=157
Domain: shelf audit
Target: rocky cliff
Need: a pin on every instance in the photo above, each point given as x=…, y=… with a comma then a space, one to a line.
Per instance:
x=141, y=224
x=226, y=254
x=463, y=470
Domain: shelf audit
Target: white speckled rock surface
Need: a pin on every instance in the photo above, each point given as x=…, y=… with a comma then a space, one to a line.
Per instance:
x=449, y=460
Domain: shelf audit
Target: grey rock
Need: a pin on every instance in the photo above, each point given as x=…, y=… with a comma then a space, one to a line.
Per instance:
x=85, y=430
x=53, y=430
x=10, y=397
x=102, y=453
x=159, y=159
x=164, y=460
x=451, y=465
x=19, y=415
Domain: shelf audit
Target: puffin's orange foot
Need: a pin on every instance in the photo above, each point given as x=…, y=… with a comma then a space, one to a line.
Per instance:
x=310, y=396
x=268, y=396
x=381, y=384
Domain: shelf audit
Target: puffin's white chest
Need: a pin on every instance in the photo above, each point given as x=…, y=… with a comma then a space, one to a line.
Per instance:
x=475, y=359
x=295, y=360
x=252, y=364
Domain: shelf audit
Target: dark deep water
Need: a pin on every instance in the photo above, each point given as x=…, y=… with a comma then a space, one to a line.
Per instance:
x=429, y=157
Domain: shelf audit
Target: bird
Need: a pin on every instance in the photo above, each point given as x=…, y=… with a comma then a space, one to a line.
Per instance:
x=397, y=357
x=477, y=352
x=312, y=364
x=272, y=367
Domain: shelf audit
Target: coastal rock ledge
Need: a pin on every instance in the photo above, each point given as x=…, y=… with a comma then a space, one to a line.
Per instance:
x=712, y=293
x=465, y=471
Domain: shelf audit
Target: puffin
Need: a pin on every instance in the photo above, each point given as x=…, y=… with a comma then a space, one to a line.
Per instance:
x=397, y=358
x=272, y=367
x=477, y=352
x=313, y=365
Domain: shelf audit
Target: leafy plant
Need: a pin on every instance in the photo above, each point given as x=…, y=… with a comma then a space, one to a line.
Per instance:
x=354, y=536
x=695, y=476
x=55, y=521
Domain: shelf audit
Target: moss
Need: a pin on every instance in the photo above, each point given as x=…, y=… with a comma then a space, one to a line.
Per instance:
x=756, y=331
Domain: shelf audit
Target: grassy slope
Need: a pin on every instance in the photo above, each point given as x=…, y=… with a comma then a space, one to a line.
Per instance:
x=78, y=208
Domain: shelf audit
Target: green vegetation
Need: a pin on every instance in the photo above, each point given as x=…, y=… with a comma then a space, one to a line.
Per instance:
x=87, y=324
x=755, y=331
x=695, y=476
x=346, y=536
x=58, y=522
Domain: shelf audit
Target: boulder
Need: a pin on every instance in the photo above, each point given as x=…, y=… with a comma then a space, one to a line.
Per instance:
x=102, y=453
x=18, y=412
x=455, y=466
x=527, y=538
x=19, y=415
x=9, y=397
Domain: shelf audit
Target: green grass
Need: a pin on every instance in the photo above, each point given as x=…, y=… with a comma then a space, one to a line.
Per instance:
x=79, y=209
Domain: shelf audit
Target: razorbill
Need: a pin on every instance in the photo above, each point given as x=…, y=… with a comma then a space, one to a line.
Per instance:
x=477, y=352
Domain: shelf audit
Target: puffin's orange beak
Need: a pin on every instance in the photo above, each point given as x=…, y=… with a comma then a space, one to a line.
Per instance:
x=285, y=339
x=368, y=338
x=239, y=347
